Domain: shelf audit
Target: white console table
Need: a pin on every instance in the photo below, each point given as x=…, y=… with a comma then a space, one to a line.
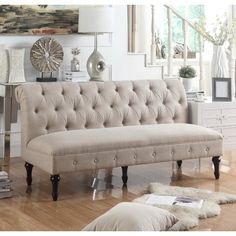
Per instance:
x=220, y=116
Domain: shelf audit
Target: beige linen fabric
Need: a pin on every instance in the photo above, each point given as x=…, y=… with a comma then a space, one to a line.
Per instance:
x=62, y=106
x=112, y=147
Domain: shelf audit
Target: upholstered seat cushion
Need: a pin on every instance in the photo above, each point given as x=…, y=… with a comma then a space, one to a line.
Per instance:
x=118, y=146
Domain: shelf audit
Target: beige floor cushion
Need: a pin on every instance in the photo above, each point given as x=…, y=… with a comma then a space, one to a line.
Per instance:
x=129, y=216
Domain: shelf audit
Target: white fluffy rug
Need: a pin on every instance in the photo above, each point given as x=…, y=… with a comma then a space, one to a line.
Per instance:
x=188, y=217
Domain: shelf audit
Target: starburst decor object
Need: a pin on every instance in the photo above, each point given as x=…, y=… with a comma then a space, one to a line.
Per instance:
x=46, y=55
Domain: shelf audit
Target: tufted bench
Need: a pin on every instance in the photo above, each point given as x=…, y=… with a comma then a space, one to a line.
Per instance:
x=71, y=127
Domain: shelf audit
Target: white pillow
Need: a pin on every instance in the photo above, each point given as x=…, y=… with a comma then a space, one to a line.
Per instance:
x=130, y=216
x=3, y=64
x=16, y=58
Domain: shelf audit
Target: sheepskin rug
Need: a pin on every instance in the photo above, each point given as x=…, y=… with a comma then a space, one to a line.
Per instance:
x=189, y=217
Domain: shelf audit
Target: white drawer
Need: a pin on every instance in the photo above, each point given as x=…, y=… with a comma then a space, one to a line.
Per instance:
x=229, y=132
x=217, y=117
x=229, y=116
x=211, y=117
x=220, y=116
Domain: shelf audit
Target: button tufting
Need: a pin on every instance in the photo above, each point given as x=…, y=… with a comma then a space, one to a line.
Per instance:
x=43, y=93
x=172, y=152
x=115, y=158
x=95, y=160
x=75, y=162
x=116, y=89
x=36, y=110
x=207, y=149
x=62, y=92
x=154, y=154
x=190, y=150
x=74, y=108
x=135, y=156
x=56, y=109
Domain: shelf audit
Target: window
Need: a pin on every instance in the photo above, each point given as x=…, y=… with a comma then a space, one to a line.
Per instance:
x=191, y=12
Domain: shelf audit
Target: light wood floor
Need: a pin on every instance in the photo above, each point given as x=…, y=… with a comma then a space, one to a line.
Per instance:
x=78, y=204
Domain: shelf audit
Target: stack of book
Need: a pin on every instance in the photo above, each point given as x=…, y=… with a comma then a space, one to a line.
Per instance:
x=195, y=95
x=75, y=76
x=5, y=185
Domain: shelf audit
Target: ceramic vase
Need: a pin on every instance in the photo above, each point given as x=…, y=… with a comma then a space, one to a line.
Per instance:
x=16, y=58
x=219, y=63
x=75, y=65
x=3, y=65
x=188, y=83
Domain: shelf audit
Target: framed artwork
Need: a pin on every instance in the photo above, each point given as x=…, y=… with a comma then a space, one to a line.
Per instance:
x=221, y=89
x=38, y=19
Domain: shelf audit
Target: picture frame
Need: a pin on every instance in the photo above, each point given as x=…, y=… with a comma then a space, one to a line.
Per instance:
x=221, y=89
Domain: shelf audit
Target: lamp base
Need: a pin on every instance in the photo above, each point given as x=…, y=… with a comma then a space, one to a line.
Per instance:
x=96, y=66
x=50, y=79
x=96, y=80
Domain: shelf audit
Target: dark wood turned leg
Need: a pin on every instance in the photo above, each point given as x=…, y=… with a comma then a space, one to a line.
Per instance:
x=55, y=180
x=124, y=174
x=216, y=162
x=29, y=168
x=179, y=163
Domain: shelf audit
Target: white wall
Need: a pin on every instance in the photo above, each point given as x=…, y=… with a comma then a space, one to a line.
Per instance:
x=124, y=66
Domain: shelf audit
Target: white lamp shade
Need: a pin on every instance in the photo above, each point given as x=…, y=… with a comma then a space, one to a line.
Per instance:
x=95, y=19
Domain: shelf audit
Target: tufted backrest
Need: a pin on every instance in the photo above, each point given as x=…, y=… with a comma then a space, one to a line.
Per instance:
x=61, y=106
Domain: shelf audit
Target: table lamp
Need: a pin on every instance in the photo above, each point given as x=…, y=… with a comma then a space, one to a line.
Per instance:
x=95, y=20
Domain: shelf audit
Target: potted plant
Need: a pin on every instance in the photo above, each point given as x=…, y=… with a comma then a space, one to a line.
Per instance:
x=187, y=73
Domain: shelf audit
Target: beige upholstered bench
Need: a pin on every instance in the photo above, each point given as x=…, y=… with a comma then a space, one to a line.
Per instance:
x=71, y=127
